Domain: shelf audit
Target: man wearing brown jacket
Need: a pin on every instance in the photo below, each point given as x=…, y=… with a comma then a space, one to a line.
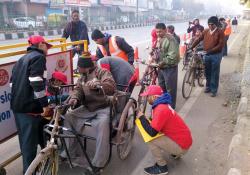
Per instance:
x=93, y=103
x=213, y=40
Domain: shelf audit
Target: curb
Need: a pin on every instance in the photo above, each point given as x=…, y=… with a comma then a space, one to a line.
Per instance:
x=239, y=152
x=21, y=35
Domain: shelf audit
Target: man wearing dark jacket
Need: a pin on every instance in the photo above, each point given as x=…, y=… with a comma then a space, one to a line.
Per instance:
x=213, y=42
x=170, y=30
x=28, y=101
x=193, y=26
x=112, y=46
x=122, y=72
x=76, y=30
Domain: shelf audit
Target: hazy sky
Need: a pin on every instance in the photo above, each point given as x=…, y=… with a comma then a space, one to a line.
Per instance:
x=226, y=6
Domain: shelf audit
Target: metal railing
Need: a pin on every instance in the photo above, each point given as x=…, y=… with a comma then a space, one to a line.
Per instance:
x=62, y=44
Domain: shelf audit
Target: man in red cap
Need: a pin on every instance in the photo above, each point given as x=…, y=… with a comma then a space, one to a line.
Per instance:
x=28, y=101
x=176, y=138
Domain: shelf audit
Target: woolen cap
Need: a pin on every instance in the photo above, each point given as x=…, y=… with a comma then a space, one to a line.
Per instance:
x=97, y=34
x=85, y=61
x=213, y=20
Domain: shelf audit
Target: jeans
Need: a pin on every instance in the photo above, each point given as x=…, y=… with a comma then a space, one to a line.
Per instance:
x=30, y=134
x=212, y=71
x=168, y=82
x=224, y=51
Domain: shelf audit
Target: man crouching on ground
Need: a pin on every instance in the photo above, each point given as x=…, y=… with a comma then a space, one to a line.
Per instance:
x=92, y=103
x=176, y=138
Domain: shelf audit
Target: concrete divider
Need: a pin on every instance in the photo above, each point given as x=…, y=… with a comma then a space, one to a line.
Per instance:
x=20, y=35
x=239, y=148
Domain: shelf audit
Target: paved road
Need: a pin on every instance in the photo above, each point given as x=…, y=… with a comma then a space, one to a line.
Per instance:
x=199, y=111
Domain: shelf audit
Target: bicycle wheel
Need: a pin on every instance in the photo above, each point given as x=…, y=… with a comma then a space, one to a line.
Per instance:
x=188, y=83
x=45, y=163
x=201, y=77
x=142, y=101
x=127, y=134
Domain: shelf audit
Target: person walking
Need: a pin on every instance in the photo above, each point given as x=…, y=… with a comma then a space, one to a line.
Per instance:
x=234, y=24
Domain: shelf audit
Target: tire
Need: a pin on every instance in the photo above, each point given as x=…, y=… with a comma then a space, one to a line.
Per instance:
x=45, y=163
x=128, y=131
x=201, y=77
x=188, y=83
x=142, y=101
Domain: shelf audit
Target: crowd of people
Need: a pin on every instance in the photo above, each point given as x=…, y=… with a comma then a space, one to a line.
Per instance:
x=112, y=68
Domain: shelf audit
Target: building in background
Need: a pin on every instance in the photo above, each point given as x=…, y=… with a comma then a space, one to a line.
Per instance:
x=55, y=13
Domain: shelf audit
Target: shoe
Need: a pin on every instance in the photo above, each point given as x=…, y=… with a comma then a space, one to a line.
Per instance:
x=207, y=90
x=213, y=94
x=95, y=170
x=156, y=170
x=176, y=157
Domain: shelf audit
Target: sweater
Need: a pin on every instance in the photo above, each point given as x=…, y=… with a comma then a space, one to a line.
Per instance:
x=213, y=43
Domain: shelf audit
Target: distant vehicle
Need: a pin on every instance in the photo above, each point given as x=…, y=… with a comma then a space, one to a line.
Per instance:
x=57, y=20
x=153, y=18
x=124, y=19
x=26, y=23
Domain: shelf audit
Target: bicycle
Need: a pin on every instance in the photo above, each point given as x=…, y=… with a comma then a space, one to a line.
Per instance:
x=186, y=57
x=195, y=71
x=149, y=78
x=122, y=129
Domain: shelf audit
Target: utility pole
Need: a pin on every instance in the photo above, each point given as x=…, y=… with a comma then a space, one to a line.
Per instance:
x=137, y=11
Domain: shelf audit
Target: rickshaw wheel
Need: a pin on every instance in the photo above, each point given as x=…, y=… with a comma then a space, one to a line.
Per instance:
x=127, y=135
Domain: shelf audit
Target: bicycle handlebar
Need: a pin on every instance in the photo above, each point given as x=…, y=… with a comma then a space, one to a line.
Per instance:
x=151, y=65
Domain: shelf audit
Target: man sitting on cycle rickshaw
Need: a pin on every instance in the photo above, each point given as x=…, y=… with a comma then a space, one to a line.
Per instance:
x=90, y=93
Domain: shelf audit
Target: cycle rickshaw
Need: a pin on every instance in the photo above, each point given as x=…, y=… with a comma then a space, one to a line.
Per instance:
x=122, y=129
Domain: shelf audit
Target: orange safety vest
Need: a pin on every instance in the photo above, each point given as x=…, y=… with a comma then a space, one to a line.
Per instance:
x=113, y=49
x=228, y=29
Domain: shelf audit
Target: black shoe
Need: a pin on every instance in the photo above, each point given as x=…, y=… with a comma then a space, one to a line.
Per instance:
x=94, y=171
x=207, y=90
x=156, y=170
x=213, y=94
x=176, y=157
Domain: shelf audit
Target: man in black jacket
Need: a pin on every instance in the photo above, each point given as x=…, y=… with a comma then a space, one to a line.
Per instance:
x=170, y=30
x=76, y=30
x=28, y=101
x=194, y=26
x=108, y=45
